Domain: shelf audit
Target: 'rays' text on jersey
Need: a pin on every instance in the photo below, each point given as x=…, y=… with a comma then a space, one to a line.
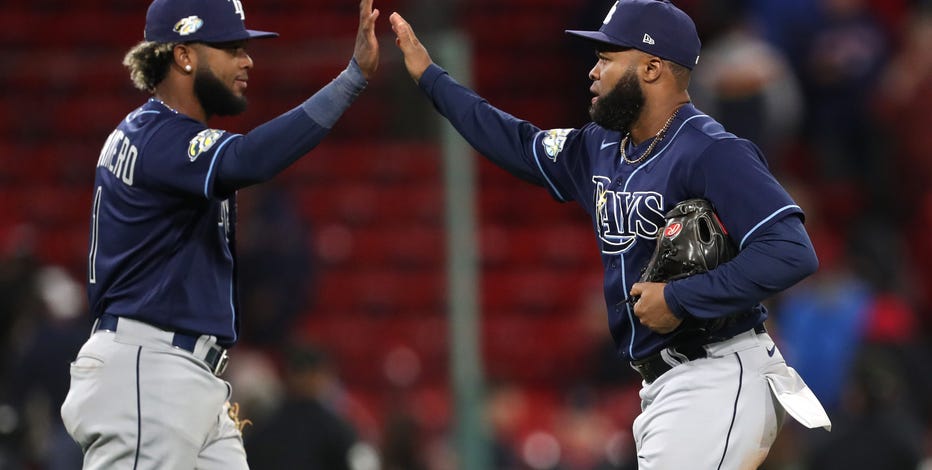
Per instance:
x=119, y=157
x=622, y=216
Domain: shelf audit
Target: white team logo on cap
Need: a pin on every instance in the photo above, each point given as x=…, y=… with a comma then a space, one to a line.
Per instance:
x=611, y=12
x=189, y=25
x=238, y=9
x=202, y=142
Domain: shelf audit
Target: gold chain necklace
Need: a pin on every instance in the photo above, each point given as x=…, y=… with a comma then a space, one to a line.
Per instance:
x=650, y=148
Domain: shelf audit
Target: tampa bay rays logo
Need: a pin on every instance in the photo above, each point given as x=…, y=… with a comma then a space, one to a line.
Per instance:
x=621, y=217
x=238, y=9
x=202, y=142
x=553, y=142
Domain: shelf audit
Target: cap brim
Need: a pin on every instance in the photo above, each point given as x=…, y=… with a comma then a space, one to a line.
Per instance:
x=597, y=36
x=254, y=34
x=238, y=36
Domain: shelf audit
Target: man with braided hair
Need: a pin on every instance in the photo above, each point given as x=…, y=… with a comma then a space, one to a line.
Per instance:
x=714, y=398
x=145, y=387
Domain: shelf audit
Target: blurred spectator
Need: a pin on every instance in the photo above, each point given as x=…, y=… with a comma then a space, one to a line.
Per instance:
x=745, y=83
x=402, y=440
x=44, y=324
x=276, y=270
x=820, y=326
x=785, y=23
x=855, y=297
x=877, y=429
x=902, y=103
x=842, y=62
x=839, y=328
x=590, y=439
x=257, y=382
x=506, y=411
x=308, y=430
x=18, y=302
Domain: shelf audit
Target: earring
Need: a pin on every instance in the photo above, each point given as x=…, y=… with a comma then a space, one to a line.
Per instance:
x=187, y=68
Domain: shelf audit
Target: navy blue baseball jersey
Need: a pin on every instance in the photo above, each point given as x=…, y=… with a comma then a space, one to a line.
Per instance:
x=163, y=219
x=164, y=208
x=160, y=238
x=627, y=202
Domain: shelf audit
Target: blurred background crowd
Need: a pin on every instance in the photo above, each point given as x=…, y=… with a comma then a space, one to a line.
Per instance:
x=345, y=335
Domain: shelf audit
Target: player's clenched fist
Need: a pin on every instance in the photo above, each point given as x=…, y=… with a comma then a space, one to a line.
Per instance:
x=651, y=307
x=416, y=57
x=366, y=51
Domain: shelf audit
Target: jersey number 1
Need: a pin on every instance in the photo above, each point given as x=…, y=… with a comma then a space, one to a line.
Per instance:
x=92, y=253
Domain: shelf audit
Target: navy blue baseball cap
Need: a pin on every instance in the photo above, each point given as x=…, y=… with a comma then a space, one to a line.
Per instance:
x=656, y=27
x=210, y=21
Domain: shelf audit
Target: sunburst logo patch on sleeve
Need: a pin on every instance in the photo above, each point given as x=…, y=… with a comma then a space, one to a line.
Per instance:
x=202, y=142
x=553, y=142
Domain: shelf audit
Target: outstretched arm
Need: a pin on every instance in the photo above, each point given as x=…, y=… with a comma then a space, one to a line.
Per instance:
x=499, y=136
x=270, y=148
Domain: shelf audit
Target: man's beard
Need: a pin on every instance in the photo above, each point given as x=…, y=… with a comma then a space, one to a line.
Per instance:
x=619, y=108
x=216, y=98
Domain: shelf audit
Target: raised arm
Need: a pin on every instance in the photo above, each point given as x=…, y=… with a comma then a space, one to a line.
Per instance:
x=416, y=57
x=270, y=148
x=366, y=51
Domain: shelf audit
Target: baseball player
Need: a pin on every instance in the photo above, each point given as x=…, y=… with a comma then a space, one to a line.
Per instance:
x=714, y=399
x=145, y=388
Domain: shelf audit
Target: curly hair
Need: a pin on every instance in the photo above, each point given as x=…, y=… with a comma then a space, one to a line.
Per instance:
x=148, y=63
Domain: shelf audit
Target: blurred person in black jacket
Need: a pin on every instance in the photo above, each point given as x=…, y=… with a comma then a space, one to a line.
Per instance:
x=306, y=431
x=878, y=426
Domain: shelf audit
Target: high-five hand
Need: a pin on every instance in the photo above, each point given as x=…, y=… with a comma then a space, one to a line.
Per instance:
x=366, y=51
x=416, y=57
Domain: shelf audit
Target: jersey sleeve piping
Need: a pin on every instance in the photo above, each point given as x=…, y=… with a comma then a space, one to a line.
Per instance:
x=213, y=163
x=234, y=312
x=633, y=329
x=130, y=117
x=624, y=282
x=541, y=168
x=767, y=219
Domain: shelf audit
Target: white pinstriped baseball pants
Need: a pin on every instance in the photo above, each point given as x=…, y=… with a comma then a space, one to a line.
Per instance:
x=137, y=402
x=721, y=412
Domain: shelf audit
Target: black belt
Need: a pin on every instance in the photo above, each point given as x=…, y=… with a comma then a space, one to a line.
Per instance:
x=215, y=356
x=655, y=365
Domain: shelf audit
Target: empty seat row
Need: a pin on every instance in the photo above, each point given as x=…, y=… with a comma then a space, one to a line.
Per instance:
x=380, y=290
x=375, y=161
x=359, y=205
x=515, y=346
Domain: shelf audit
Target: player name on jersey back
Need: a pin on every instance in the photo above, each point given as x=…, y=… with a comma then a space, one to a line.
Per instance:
x=119, y=157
